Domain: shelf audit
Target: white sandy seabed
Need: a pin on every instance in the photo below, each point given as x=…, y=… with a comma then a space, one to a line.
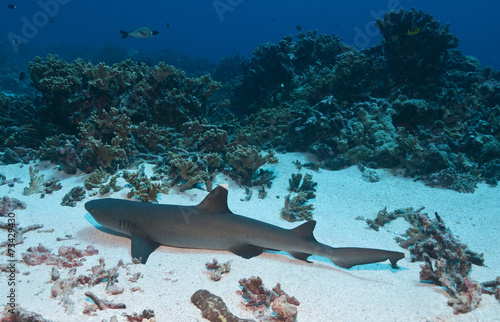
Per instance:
x=372, y=292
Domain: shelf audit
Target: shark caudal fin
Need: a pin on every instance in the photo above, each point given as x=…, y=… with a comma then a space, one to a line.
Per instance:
x=351, y=256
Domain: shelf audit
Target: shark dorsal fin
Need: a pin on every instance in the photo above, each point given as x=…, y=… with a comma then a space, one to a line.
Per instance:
x=305, y=230
x=216, y=201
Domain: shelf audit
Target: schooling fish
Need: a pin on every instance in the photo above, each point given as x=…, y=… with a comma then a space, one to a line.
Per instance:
x=11, y=6
x=141, y=32
x=211, y=225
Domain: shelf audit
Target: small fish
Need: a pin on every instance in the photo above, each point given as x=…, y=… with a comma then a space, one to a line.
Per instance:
x=141, y=32
x=168, y=25
x=22, y=75
x=413, y=31
x=298, y=27
x=51, y=19
x=11, y=6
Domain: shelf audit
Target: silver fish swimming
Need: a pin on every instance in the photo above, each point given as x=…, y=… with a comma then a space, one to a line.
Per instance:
x=211, y=225
x=141, y=32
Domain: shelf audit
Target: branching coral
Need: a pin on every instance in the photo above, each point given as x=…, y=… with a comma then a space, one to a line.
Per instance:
x=186, y=173
x=296, y=208
x=245, y=161
x=38, y=184
x=142, y=187
x=105, y=139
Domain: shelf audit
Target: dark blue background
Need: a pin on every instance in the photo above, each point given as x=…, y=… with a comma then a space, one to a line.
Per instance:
x=198, y=30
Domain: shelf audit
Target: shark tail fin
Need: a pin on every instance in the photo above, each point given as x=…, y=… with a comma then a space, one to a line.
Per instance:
x=351, y=256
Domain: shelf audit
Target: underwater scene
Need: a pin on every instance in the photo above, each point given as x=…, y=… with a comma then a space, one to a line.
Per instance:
x=249, y=160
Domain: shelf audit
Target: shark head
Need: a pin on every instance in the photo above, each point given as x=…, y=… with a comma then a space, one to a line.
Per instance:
x=110, y=214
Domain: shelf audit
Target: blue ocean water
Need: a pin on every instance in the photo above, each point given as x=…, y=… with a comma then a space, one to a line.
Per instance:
x=216, y=29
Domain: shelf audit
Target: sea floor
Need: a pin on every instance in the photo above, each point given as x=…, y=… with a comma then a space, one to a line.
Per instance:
x=326, y=292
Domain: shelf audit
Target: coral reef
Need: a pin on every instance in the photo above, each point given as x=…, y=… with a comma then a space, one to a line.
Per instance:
x=213, y=307
x=415, y=44
x=160, y=94
x=412, y=103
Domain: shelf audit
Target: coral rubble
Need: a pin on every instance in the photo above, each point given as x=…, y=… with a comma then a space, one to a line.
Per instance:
x=8, y=205
x=218, y=269
x=283, y=305
x=67, y=256
x=428, y=239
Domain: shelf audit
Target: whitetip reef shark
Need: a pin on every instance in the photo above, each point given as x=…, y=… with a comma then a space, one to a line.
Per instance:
x=211, y=225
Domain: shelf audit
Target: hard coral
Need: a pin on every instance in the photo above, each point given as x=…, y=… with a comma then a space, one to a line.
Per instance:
x=415, y=43
x=38, y=184
x=245, y=161
x=142, y=187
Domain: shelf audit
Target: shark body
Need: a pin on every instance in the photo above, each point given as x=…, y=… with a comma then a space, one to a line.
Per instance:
x=211, y=225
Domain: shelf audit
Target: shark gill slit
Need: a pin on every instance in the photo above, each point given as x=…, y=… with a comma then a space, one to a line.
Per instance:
x=127, y=225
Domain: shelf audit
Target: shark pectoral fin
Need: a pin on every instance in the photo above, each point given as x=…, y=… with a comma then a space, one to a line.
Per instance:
x=301, y=256
x=246, y=251
x=142, y=248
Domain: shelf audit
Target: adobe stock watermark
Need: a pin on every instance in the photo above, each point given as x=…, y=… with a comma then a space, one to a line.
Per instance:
x=223, y=6
x=365, y=35
x=30, y=27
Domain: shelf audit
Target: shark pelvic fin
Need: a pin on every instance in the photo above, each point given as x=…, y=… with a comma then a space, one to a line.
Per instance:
x=247, y=251
x=301, y=256
x=215, y=201
x=142, y=248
